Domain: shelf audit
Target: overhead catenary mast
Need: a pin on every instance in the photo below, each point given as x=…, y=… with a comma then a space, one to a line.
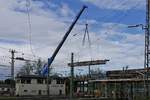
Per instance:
x=12, y=63
x=147, y=36
x=147, y=45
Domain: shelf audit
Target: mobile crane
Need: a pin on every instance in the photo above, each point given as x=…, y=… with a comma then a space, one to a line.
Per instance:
x=51, y=59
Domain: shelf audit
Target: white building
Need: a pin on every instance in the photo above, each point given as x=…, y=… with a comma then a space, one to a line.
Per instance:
x=37, y=85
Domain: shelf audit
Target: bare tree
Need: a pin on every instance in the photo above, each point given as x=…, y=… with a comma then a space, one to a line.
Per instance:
x=27, y=69
x=97, y=73
x=38, y=66
x=33, y=68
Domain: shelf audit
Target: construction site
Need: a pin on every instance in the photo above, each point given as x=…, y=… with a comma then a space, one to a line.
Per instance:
x=45, y=65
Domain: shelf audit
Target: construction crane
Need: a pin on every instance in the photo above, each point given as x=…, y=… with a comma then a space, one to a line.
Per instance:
x=51, y=59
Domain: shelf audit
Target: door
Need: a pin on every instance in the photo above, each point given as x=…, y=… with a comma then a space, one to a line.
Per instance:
x=39, y=92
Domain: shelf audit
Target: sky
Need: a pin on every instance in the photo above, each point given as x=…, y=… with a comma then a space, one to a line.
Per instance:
x=34, y=28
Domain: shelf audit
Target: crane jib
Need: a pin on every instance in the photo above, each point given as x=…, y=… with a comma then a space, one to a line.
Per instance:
x=50, y=60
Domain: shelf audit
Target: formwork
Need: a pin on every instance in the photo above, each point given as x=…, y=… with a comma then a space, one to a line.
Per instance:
x=130, y=89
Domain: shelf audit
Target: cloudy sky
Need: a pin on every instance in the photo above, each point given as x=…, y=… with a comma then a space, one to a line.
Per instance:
x=50, y=19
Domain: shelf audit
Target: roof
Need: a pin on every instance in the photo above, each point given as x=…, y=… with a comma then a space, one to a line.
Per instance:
x=31, y=76
x=130, y=73
x=128, y=70
x=38, y=77
x=5, y=85
x=117, y=80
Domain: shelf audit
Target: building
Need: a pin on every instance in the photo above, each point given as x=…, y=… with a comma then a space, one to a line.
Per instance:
x=37, y=85
x=126, y=84
x=5, y=89
x=128, y=73
x=122, y=89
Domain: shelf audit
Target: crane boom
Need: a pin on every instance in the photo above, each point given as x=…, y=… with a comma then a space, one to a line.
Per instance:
x=51, y=59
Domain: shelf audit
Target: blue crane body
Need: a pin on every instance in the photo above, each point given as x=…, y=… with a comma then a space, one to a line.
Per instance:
x=51, y=59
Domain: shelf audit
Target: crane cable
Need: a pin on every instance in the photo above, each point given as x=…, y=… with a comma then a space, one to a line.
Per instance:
x=86, y=34
x=28, y=4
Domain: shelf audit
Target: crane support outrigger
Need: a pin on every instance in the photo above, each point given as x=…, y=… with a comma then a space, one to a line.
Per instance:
x=51, y=59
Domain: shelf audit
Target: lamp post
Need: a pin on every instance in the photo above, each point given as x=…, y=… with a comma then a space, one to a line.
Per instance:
x=145, y=28
x=138, y=25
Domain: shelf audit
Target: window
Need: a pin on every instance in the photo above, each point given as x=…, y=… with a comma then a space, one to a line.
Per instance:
x=49, y=81
x=2, y=89
x=23, y=81
x=25, y=90
x=40, y=81
x=60, y=81
x=44, y=91
x=8, y=89
x=17, y=81
x=28, y=81
x=33, y=91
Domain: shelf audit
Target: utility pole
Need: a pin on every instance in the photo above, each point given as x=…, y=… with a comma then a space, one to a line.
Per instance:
x=12, y=63
x=147, y=47
x=48, y=80
x=72, y=77
x=89, y=71
x=12, y=70
x=147, y=35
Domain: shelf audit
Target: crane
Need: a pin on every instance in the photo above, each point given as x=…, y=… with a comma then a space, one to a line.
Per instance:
x=51, y=59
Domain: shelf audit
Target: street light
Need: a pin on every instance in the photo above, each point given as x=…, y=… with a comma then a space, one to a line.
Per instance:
x=23, y=59
x=138, y=25
x=144, y=27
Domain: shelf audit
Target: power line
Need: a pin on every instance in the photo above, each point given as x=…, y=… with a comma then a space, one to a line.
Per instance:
x=4, y=48
x=122, y=18
x=28, y=5
x=8, y=49
x=28, y=54
x=114, y=16
x=108, y=16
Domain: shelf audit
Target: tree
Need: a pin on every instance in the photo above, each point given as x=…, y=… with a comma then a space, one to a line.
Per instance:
x=32, y=68
x=97, y=73
x=27, y=69
x=38, y=66
x=10, y=81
